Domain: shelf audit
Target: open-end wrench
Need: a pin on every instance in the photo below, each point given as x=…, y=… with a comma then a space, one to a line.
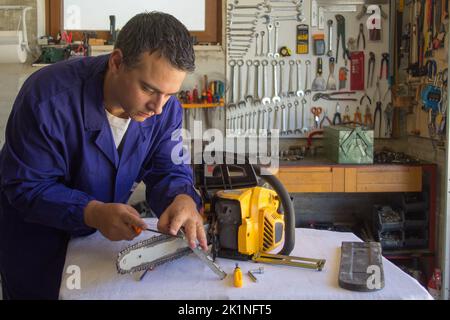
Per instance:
x=256, y=45
x=271, y=19
x=275, y=119
x=275, y=97
x=269, y=119
x=330, y=38
x=230, y=29
x=258, y=125
x=298, y=126
x=243, y=15
x=300, y=92
x=256, y=96
x=249, y=22
x=263, y=33
x=232, y=64
x=281, y=93
x=263, y=123
x=241, y=98
x=265, y=100
x=269, y=40
x=289, y=111
x=271, y=8
x=283, y=120
x=307, y=72
x=291, y=91
x=232, y=7
x=248, y=96
x=276, y=55
x=304, y=129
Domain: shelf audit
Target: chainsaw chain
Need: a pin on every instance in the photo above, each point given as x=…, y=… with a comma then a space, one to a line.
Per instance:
x=153, y=264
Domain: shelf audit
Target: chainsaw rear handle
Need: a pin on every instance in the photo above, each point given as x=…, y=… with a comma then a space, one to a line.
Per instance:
x=288, y=207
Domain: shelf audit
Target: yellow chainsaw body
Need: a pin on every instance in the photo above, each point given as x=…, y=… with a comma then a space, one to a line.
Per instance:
x=262, y=227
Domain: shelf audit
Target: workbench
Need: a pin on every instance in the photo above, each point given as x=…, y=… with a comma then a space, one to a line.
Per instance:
x=189, y=278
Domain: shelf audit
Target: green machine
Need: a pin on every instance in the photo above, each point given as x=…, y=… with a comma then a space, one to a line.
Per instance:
x=347, y=144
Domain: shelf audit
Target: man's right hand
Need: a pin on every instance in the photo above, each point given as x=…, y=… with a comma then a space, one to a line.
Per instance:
x=114, y=220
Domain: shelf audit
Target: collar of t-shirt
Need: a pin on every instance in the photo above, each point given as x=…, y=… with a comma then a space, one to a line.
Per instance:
x=118, y=126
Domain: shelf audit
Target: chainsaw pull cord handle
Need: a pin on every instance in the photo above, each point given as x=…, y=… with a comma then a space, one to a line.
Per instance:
x=288, y=207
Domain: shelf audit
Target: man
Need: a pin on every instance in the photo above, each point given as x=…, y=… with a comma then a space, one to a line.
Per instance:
x=82, y=134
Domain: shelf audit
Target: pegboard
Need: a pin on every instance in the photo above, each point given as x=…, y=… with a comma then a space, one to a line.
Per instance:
x=244, y=115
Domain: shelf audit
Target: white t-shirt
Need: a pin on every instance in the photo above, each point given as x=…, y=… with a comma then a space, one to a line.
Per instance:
x=118, y=127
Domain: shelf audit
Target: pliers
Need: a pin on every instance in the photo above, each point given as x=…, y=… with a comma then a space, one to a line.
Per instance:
x=378, y=111
x=328, y=96
x=325, y=117
x=341, y=36
x=371, y=69
x=365, y=96
x=357, y=117
x=384, y=65
x=361, y=36
x=337, y=116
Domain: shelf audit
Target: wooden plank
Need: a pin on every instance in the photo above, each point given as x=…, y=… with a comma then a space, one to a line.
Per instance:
x=350, y=180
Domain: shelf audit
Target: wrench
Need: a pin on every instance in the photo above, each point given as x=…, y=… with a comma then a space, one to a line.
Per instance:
x=297, y=125
x=275, y=97
x=283, y=120
x=289, y=109
x=256, y=97
x=276, y=118
x=276, y=55
x=307, y=63
x=256, y=44
x=263, y=33
x=229, y=29
x=265, y=100
x=271, y=19
x=330, y=38
x=253, y=22
x=248, y=96
x=232, y=7
x=269, y=43
x=232, y=64
x=304, y=129
x=291, y=91
x=281, y=92
x=241, y=102
x=269, y=119
x=270, y=8
x=300, y=93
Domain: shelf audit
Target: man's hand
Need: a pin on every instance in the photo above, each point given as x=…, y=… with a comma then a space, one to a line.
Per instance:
x=182, y=212
x=114, y=220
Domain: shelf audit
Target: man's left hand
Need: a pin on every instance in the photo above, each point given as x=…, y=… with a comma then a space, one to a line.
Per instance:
x=182, y=212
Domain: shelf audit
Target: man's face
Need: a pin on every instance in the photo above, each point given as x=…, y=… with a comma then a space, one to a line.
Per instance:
x=143, y=90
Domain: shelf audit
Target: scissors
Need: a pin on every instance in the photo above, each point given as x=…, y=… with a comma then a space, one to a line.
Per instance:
x=316, y=111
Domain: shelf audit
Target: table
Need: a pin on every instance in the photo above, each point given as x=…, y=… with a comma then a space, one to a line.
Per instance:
x=188, y=278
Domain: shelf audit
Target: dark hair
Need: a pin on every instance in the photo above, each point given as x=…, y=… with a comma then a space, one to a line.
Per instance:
x=156, y=31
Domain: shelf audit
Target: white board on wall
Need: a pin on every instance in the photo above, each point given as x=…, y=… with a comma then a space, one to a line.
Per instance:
x=94, y=15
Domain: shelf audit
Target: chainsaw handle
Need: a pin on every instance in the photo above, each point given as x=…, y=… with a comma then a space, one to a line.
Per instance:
x=288, y=207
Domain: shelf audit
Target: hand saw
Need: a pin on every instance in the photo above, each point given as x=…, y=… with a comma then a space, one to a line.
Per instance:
x=157, y=250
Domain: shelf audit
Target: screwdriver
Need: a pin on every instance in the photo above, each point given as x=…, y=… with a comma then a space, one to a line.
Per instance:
x=138, y=230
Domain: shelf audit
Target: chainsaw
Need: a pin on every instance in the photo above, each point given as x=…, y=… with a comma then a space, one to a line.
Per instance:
x=247, y=215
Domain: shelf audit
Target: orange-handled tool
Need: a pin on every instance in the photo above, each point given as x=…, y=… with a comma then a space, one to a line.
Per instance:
x=237, y=277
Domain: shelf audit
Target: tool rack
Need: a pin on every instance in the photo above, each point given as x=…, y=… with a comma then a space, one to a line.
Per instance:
x=267, y=91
